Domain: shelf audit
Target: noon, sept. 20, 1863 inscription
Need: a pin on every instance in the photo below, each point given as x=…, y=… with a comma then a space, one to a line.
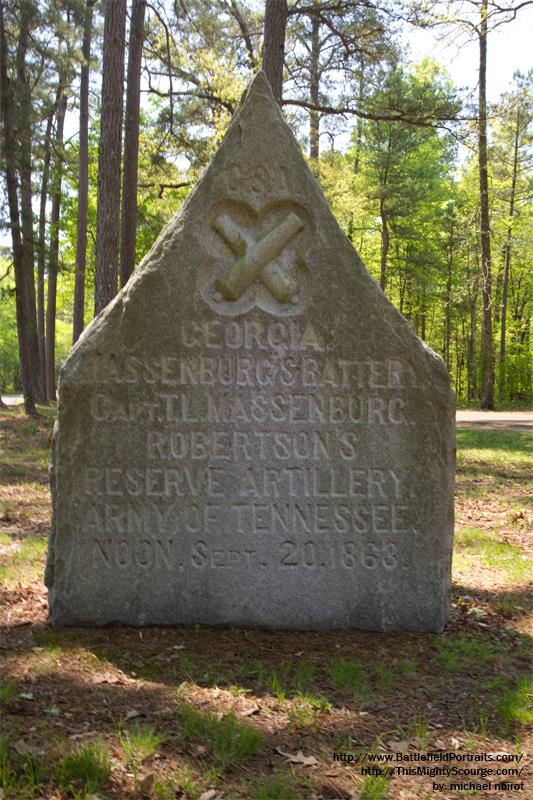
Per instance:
x=250, y=433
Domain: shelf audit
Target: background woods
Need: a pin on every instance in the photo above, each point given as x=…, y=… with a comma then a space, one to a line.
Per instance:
x=110, y=109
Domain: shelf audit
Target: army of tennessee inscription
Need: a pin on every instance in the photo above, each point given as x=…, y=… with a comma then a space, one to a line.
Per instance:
x=279, y=456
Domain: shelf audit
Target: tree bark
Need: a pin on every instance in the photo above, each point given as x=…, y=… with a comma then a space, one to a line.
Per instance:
x=131, y=143
x=42, y=243
x=109, y=155
x=24, y=164
x=83, y=178
x=314, y=87
x=507, y=262
x=487, y=389
x=54, y=245
x=10, y=158
x=274, y=44
x=448, y=308
x=385, y=243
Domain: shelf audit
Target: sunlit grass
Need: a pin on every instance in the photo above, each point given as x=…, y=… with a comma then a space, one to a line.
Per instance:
x=228, y=740
x=25, y=563
x=474, y=546
x=489, y=448
x=459, y=654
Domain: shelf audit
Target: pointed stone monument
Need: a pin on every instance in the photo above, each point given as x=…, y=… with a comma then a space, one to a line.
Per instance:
x=250, y=433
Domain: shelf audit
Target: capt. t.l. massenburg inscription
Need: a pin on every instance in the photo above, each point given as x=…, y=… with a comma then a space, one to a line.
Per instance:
x=277, y=455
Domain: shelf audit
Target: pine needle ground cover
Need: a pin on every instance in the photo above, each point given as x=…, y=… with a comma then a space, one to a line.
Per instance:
x=205, y=713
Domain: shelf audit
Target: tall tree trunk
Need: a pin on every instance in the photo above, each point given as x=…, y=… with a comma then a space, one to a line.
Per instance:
x=507, y=261
x=385, y=243
x=42, y=244
x=360, y=122
x=10, y=159
x=448, y=310
x=131, y=143
x=314, y=86
x=487, y=389
x=274, y=44
x=23, y=133
x=83, y=178
x=109, y=155
x=54, y=245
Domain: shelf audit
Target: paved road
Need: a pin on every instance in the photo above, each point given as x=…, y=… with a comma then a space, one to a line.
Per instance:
x=518, y=420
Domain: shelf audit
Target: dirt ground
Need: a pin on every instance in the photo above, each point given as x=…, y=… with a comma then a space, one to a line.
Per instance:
x=253, y=714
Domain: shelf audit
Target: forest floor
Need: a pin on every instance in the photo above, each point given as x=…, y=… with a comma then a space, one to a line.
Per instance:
x=193, y=713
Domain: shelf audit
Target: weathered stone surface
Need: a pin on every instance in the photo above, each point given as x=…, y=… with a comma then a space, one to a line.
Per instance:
x=250, y=433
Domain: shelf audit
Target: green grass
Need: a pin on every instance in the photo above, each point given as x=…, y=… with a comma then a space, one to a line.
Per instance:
x=276, y=787
x=351, y=676
x=85, y=771
x=21, y=776
x=374, y=787
x=473, y=544
x=138, y=743
x=489, y=449
x=26, y=562
x=516, y=704
x=456, y=655
x=228, y=740
x=8, y=691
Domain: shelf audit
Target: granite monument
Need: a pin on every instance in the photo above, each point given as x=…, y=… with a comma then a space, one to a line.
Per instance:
x=250, y=433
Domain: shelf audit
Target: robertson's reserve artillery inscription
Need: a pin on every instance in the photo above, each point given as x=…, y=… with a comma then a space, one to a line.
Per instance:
x=250, y=433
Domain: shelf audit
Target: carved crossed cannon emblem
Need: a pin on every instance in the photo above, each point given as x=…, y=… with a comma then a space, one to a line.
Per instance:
x=256, y=259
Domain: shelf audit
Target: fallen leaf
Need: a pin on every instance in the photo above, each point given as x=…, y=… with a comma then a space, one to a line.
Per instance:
x=132, y=713
x=26, y=695
x=146, y=783
x=106, y=677
x=298, y=758
x=22, y=747
x=53, y=712
x=211, y=794
x=249, y=710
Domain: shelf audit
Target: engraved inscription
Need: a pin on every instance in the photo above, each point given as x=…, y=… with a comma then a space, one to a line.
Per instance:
x=277, y=463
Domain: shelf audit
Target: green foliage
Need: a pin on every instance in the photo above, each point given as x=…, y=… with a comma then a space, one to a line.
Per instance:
x=138, y=743
x=21, y=776
x=26, y=562
x=465, y=654
x=374, y=787
x=228, y=740
x=351, y=676
x=480, y=545
x=516, y=705
x=86, y=770
x=278, y=787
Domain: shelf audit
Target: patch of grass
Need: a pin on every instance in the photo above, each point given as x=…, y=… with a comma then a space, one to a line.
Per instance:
x=516, y=705
x=460, y=654
x=304, y=677
x=490, y=448
x=277, y=787
x=384, y=676
x=407, y=668
x=26, y=562
x=85, y=771
x=21, y=776
x=5, y=538
x=351, y=675
x=474, y=543
x=374, y=787
x=8, y=692
x=227, y=739
x=138, y=743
